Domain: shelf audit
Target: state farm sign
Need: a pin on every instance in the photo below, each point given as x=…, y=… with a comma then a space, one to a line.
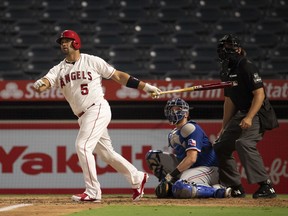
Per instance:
x=23, y=91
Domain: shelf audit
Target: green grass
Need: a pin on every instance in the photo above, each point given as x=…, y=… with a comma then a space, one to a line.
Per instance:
x=181, y=211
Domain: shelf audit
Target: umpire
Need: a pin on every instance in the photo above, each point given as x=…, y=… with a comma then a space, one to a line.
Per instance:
x=247, y=115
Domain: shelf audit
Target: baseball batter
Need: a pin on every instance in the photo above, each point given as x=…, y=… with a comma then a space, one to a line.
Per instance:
x=79, y=77
x=193, y=158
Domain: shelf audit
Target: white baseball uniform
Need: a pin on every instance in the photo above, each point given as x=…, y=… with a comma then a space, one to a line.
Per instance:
x=81, y=84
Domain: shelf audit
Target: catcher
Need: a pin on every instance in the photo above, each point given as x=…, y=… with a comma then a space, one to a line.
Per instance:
x=191, y=170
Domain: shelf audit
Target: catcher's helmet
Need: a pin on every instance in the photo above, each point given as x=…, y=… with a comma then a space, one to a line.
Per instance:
x=174, y=116
x=227, y=46
x=70, y=35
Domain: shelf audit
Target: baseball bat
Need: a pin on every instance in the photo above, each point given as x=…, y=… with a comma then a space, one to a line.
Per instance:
x=200, y=87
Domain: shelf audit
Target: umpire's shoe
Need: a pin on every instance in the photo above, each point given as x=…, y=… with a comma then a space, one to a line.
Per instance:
x=265, y=190
x=238, y=191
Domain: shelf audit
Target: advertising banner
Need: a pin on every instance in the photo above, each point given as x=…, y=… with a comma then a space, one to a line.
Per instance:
x=39, y=156
x=23, y=91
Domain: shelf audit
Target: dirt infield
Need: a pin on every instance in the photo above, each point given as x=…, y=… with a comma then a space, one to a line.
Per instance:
x=48, y=205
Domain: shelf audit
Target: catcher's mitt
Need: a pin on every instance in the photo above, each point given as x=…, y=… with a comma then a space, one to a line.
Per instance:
x=164, y=190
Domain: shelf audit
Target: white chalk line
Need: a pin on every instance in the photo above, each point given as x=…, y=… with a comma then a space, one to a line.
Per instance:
x=9, y=208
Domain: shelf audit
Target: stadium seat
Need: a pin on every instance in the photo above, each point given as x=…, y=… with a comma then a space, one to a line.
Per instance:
x=131, y=15
x=271, y=25
x=222, y=4
x=264, y=39
x=248, y=14
x=99, y=4
x=202, y=68
x=208, y=51
x=165, y=52
x=185, y=39
x=171, y=15
x=134, y=68
x=42, y=53
x=31, y=26
x=174, y=4
x=209, y=15
x=7, y=65
x=160, y=68
x=193, y=26
x=53, y=4
x=279, y=51
x=36, y=68
x=261, y=4
x=145, y=39
x=254, y=52
x=230, y=26
x=179, y=74
x=91, y=15
x=20, y=14
x=26, y=39
x=53, y=15
x=143, y=4
x=8, y=53
x=108, y=39
x=275, y=68
x=150, y=27
x=107, y=26
x=61, y=25
x=124, y=52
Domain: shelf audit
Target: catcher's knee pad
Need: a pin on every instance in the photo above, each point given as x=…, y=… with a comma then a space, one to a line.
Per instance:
x=182, y=189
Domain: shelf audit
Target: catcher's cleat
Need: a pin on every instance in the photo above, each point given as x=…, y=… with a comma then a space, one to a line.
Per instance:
x=265, y=191
x=84, y=198
x=223, y=193
x=139, y=192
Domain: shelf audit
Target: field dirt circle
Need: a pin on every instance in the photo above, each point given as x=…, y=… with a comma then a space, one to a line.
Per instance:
x=54, y=205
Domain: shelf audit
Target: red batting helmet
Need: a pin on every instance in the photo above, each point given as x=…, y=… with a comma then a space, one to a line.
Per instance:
x=71, y=35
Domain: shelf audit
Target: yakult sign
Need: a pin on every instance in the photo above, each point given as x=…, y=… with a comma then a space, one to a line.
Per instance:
x=40, y=157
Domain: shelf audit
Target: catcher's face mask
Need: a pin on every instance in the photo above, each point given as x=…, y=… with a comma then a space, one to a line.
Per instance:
x=227, y=47
x=175, y=110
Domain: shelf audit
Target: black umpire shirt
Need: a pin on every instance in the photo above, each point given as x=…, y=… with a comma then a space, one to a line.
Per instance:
x=246, y=74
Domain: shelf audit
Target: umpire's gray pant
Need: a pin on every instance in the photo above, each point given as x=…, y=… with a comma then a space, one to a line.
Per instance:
x=244, y=141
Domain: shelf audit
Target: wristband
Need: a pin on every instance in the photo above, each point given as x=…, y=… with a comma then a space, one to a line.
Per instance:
x=132, y=82
x=175, y=173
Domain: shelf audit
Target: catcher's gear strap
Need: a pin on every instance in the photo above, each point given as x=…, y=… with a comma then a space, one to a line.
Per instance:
x=161, y=163
x=164, y=190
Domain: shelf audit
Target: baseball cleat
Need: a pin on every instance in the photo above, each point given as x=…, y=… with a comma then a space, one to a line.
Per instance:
x=138, y=193
x=238, y=192
x=84, y=198
x=265, y=191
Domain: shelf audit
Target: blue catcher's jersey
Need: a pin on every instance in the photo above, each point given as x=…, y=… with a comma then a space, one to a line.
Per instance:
x=192, y=136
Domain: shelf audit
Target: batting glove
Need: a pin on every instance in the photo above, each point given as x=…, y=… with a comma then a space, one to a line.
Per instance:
x=155, y=92
x=38, y=84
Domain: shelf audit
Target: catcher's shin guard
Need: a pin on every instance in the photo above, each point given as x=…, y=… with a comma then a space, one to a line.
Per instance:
x=183, y=189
